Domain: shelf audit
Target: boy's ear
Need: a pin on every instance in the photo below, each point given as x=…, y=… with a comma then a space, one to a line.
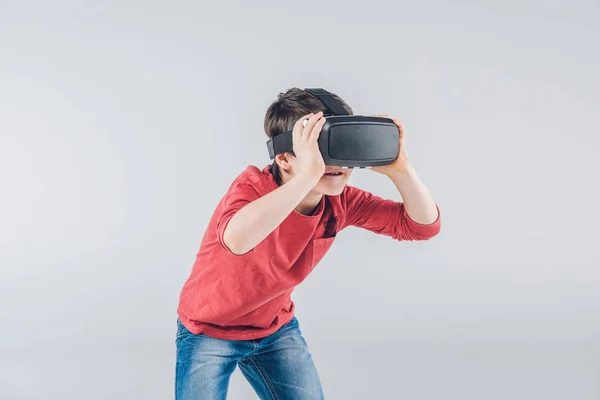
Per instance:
x=283, y=160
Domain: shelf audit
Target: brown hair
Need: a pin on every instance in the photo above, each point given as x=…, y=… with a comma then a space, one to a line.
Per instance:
x=290, y=105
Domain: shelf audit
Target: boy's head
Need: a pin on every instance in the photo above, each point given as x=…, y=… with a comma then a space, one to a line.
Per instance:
x=291, y=105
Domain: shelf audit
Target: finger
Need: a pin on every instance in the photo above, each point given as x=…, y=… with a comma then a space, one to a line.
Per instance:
x=298, y=128
x=316, y=131
x=400, y=126
x=299, y=125
x=310, y=124
x=402, y=131
x=300, y=122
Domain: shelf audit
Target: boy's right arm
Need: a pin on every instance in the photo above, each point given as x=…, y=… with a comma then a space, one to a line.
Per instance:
x=256, y=220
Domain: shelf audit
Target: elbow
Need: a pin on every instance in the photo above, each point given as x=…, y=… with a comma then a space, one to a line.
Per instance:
x=431, y=234
x=420, y=232
x=232, y=243
x=430, y=231
x=417, y=236
x=228, y=241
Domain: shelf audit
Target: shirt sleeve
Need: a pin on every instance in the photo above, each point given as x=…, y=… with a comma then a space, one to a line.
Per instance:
x=385, y=217
x=240, y=193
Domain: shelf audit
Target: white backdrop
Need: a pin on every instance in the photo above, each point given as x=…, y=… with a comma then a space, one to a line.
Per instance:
x=122, y=124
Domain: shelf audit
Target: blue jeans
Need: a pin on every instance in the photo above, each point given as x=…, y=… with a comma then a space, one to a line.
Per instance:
x=278, y=366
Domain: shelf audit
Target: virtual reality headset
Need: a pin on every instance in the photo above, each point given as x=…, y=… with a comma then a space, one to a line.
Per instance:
x=347, y=141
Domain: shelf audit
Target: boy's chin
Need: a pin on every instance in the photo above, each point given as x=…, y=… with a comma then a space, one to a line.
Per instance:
x=329, y=189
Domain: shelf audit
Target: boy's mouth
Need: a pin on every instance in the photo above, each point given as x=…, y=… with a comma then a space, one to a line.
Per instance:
x=334, y=173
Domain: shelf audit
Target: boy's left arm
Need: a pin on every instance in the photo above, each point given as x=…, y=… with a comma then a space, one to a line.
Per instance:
x=415, y=218
x=417, y=200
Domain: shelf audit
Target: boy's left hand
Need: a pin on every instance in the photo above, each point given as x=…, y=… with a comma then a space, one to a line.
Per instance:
x=401, y=163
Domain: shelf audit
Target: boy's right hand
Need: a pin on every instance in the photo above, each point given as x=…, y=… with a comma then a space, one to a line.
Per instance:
x=306, y=148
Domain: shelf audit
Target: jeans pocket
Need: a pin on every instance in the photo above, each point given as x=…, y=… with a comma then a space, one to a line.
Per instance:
x=182, y=331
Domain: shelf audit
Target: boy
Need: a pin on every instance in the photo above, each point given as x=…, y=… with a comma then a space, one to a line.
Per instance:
x=268, y=232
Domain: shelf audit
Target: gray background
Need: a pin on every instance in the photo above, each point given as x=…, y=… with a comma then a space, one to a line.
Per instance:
x=122, y=123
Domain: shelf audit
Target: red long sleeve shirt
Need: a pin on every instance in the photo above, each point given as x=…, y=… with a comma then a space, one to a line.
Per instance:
x=243, y=297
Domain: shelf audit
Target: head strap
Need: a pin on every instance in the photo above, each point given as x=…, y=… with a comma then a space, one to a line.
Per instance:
x=334, y=107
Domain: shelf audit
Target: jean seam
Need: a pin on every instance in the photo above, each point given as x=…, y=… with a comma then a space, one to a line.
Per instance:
x=263, y=375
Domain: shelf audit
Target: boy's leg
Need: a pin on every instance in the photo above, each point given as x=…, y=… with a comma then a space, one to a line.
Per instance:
x=282, y=367
x=205, y=364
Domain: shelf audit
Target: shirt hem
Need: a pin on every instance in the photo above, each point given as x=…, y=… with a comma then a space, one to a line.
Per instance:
x=220, y=334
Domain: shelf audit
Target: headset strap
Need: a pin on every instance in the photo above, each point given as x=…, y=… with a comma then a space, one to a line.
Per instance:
x=280, y=144
x=328, y=100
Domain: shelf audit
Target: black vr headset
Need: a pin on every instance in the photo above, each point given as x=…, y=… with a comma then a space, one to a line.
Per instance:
x=345, y=140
